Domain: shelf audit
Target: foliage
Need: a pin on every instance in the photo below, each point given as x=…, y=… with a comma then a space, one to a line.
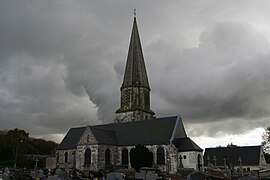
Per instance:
x=267, y=158
x=266, y=140
x=43, y=147
x=18, y=142
x=140, y=156
x=231, y=145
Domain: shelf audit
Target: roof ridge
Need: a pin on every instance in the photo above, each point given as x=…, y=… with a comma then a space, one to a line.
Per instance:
x=135, y=122
x=233, y=147
x=100, y=128
x=79, y=127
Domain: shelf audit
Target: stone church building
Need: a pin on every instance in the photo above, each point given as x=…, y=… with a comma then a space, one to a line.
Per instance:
x=108, y=145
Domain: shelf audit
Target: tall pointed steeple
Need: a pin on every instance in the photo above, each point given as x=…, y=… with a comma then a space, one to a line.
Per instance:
x=135, y=73
x=135, y=90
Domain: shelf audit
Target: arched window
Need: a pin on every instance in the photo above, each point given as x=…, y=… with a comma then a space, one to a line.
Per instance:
x=180, y=162
x=124, y=157
x=87, y=138
x=160, y=156
x=57, y=157
x=107, y=157
x=127, y=99
x=87, y=156
x=147, y=99
x=66, y=157
x=199, y=162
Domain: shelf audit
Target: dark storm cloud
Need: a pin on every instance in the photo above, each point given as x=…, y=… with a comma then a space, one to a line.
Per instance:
x=62, y=62
x=224, y=78
x=40, y=49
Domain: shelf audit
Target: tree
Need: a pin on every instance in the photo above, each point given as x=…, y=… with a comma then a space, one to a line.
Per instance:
x=267, y=157
x=266, y=140
x=10, y=140
x=16, y=143
x=140, y=156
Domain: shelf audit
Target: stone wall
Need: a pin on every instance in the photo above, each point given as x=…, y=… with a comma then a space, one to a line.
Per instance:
x=101, y=156
x=171, y=158
x=190, y=159
x=132, y=116
x=80, y=154
x=87, y=138
x=70, y=160
x=98, y=156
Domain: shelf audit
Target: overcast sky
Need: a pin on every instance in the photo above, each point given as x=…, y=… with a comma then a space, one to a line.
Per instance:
x=62, y=64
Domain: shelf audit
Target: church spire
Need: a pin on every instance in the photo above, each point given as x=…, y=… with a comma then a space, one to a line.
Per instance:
x=135, y=90
x=135, y=73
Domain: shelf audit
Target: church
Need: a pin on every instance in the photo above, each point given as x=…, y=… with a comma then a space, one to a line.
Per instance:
x=108, y=145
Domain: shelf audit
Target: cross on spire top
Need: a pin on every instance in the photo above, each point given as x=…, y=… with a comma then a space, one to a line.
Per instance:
x=134, y=13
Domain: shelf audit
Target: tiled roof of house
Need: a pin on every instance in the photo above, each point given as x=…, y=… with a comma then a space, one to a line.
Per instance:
x=72, y=138
x=250, y=155
x=186, y=144
x=147, y=132
x=104, y=136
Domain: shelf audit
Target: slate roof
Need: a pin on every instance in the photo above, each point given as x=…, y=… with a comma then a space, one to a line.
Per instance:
x=250, y=155
x=186, y=144
x=135, y=72
x=72, y=138
x=146, y=132
x=104, y=136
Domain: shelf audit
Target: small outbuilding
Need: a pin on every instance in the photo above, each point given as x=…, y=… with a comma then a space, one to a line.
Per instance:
x=246, y=157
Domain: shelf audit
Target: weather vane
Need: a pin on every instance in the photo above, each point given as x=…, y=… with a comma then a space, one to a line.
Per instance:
x=134, y=13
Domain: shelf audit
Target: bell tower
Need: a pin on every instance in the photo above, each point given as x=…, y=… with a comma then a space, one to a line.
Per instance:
x=135, y=90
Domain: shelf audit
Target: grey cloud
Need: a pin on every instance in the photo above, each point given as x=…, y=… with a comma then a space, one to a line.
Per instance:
x=62, y=63
x=221, y=79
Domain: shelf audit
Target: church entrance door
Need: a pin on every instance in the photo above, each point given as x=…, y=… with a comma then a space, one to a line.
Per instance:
x=199, y=162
